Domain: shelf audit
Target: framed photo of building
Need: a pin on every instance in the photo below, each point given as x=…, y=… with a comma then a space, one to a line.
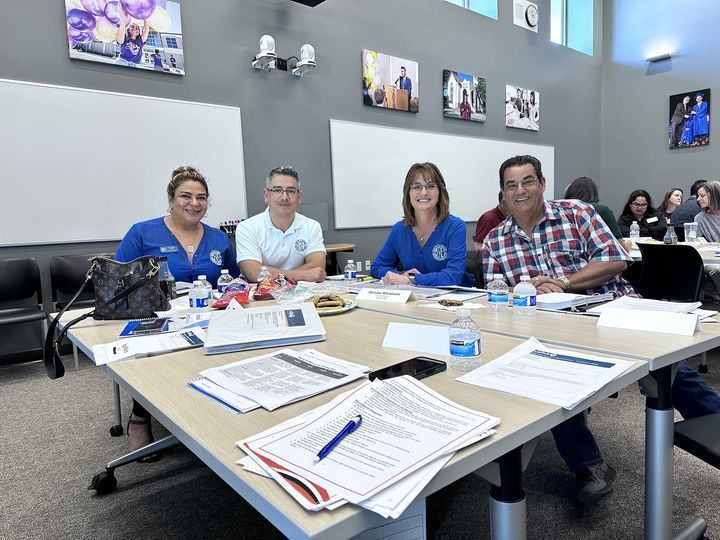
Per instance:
x=689, y=123
x=522, y=108
x=390, y=82
x=140, y=34
x=464, y=96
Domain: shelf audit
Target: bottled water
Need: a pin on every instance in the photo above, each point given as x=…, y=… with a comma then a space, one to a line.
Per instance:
x=264, y=273
x=350, y=271
x=497, y=293
x=634, y=230
x=465, y=346
x=207, y=285
x=524, y=296
x=167, y=280
x=670, y=238
x=223, y=281
x=198, y=295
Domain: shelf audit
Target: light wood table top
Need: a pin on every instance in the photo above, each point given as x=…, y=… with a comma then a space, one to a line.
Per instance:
x=334, y=248
x=707, y=251
x=160, y=384
x=570, y=330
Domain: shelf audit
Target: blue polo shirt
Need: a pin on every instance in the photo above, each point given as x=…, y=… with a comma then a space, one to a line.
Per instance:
x=153, y=237
x=441, y=260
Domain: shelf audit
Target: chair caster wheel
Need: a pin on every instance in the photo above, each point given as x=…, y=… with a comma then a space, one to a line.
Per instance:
x=104, y=483
x=116, y=431
x=702, y=368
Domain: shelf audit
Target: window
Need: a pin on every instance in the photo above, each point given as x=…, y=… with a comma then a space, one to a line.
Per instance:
x=171, y=42
x=571, y=24
x=153, y=40
x=489, y=8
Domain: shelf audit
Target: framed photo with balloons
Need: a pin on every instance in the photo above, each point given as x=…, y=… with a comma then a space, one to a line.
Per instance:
x=138, y=34
x=390, y=82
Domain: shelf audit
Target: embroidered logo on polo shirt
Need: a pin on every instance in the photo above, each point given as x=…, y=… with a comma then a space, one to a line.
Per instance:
x=216, y=257
x=439, y=252
x=300, y=246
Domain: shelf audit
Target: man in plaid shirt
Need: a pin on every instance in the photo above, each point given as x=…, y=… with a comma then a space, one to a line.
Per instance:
x=564, y=246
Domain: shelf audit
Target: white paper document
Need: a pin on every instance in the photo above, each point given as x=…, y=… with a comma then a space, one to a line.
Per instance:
x=148, y=345
x=466, y=305
x=646, y=304
x=461, y=295
x=568, y=300
x=406, y=427
x=560, y=377
x=222, y=396
x=422, y=338
x=285, y=376
x=267, y=326
x=681, y=324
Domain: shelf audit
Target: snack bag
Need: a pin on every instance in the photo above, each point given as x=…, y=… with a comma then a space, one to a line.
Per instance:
x=237, y=289
x=270, y=285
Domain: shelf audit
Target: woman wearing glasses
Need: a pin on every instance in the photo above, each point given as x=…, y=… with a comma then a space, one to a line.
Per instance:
x=192, y=249
x=639, y=207
x=427, y=247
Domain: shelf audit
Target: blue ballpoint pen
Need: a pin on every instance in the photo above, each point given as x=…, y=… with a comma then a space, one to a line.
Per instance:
x=351, y=426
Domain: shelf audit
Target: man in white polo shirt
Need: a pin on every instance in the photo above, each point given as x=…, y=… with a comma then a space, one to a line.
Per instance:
x=280, y=238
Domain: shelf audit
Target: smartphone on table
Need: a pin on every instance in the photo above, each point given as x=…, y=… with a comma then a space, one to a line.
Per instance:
x=418, y=367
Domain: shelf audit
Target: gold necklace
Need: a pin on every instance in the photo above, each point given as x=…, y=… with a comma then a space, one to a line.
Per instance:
x=189, y=247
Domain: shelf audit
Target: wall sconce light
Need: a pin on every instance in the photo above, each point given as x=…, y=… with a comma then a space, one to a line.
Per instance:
x=659, y=58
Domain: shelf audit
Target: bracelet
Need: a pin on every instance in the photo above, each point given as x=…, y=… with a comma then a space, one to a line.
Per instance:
x=566, y=285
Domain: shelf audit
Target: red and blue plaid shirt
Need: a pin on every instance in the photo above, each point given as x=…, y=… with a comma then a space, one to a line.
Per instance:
x=570, y=235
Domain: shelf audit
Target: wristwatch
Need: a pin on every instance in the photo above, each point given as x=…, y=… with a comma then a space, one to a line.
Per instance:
x=411, y=277
x=565, y=284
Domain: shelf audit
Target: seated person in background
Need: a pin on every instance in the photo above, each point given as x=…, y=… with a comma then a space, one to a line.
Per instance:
x=672, y=200
x=280, y=238
x=708, y=220
x=689, y=208
x=192, y=249
x=488, y=221
x=585, y=189
x=565, y=246
x=639, y=208
x=429, y=243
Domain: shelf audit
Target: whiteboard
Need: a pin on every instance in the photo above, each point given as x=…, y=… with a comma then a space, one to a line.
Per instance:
x=369, y=164
x=84, y=165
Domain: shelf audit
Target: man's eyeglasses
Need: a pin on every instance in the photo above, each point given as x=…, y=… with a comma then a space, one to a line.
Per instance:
x=278, y=191
x=430, y=186
x=639, y=205
x=527, y=183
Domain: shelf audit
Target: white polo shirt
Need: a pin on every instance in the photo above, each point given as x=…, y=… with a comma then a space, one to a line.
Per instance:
x=257, y=239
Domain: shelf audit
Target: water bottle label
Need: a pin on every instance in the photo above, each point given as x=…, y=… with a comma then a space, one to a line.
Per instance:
x=496, y=297
x=463, y=347
x=222, y=287
x=523, y=300
x=196, y=302
x=351, y=275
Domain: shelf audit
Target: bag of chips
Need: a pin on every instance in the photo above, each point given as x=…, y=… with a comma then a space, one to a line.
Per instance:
x=272, y=284
x=238, y=289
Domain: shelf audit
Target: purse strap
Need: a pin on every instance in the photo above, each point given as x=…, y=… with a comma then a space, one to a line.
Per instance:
x=51, y=350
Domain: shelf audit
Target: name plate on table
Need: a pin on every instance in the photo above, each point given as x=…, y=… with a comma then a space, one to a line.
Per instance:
x=681, y=324
x=385, y=295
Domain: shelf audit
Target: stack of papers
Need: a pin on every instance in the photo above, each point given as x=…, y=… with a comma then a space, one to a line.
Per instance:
x=268, y=326
x=562, y=378
x=645, y=304
x=275, y=379
x=570, y=300
x=407, y=435
x=148, y=345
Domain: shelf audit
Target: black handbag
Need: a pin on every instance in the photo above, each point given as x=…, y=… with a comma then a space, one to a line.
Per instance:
x=122, y=291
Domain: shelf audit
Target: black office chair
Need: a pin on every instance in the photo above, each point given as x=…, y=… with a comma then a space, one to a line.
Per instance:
x=67, y=273
x=19, y=283
x=473, y=265
x=678, y=273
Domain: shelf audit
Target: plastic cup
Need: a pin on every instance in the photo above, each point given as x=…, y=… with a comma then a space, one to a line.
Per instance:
x=691, y=232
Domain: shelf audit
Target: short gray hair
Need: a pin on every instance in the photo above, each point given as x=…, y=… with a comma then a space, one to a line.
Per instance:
x=283, y=170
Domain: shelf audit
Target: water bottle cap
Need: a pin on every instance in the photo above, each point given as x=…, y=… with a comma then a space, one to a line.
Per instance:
x=197, y=283
x=634, y=222
x=498, y=276
x=525, y=278
x=202, y=277
x=224, y=271
x=263, y=268
x=350, y=261
x=463, y=312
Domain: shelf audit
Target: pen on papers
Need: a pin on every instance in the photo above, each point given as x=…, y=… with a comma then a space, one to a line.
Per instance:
x=351, y=426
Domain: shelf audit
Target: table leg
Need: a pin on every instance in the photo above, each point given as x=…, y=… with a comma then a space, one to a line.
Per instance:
x=507, y=501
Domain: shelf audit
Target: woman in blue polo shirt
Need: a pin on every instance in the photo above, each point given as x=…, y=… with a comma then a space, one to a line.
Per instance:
x=428, y=246
x=191, y=247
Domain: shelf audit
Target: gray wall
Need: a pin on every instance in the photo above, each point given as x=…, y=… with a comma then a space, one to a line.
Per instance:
x=285, y=119
x=635, y=152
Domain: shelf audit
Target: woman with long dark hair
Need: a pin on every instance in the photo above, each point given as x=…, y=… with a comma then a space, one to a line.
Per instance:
x=639, y=208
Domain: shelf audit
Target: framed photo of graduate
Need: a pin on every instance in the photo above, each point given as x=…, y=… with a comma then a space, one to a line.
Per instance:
x=390, y=82
x=689, y=123
x=463, y=96
x=522, y=108
x=139, y=34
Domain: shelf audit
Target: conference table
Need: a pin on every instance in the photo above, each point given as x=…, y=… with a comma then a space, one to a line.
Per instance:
x=210, y=432
x=660, y=350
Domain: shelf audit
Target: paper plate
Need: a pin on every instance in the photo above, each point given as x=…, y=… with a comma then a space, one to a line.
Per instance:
x=349, y=304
